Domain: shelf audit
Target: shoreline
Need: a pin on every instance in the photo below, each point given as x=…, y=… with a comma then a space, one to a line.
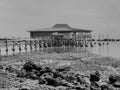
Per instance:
x=85, y=63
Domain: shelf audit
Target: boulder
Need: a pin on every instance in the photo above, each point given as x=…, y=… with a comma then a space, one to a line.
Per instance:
x=116, y=84
x=95, y=77
x=113, y=79
x=28, y=66
x=52, y=81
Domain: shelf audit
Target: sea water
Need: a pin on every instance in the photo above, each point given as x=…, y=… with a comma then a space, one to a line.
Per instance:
x=111, y=49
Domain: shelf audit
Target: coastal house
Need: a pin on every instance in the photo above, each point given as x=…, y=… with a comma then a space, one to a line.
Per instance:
x=63, y=30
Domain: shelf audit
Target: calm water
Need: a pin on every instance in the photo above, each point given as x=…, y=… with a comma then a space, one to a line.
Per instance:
x=112, y=50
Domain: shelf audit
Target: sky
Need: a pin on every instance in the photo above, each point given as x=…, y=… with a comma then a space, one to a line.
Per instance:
x=19, y=16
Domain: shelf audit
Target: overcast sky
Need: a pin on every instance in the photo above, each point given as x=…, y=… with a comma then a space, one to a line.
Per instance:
x=18, y=16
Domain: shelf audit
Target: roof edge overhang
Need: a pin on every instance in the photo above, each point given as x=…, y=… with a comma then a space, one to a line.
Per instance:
x=78, y=30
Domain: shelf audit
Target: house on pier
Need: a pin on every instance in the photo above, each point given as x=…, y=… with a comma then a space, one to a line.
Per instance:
x=63, y=30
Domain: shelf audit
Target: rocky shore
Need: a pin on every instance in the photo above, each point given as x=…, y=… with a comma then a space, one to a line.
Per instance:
x=59, y=71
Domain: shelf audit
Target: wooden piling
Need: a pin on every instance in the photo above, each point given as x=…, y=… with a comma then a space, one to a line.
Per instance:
x=19, y=42
x=13, y=48
x=25, y=46
x=6, y=45
x=35, y=45
x=30, y=45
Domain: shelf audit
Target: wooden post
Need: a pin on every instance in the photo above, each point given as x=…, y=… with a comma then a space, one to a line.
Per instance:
x=40, y=46
x=30, y=46
x=13, y=49
x=107, y=39
x=19, y=46
x=6, y=44
x=0, y=53
x=35, y=45
x=25, y=46
x=0, y=49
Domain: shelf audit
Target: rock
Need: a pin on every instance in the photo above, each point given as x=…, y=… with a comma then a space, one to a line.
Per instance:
x=46, y=70
x=49, y=79
x=94, y=86
x=22, y=80
x=36, y=72
x=52, y=81
x=25, y=88
x=38, y=67
x=70, y=77
x=82, y=79
x=95, y=77
x=0, y=57
x=28, y=66
x=81, y=88
x=22, y=73
x=86, y=80
x=42, y=81
x=116, y=84
x=66, y=84
x=1, y=67
x=16, y=71
x=107, y=87
x=47, y=75
x=61, y=69
x=10, y=69
x=58, y=74
x=33, y=76
x=113, y=78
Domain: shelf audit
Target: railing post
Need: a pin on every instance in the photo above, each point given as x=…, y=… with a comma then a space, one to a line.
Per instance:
x=6, y=45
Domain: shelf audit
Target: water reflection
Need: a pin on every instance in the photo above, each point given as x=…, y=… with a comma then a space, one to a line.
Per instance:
x=112, y=49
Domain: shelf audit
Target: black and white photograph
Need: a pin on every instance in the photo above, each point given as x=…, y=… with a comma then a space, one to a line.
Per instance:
x=59, y=44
